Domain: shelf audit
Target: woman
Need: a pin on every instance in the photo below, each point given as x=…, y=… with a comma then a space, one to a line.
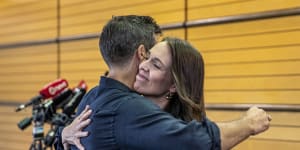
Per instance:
x=172, y=77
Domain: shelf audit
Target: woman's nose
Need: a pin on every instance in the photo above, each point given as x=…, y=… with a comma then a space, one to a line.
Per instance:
x=144, y=66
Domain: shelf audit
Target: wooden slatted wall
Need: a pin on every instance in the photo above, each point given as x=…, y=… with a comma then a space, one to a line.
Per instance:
x=24, y=69
x=253, y=61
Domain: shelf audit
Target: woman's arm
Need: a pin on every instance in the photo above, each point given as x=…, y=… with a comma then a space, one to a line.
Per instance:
x=253, y=122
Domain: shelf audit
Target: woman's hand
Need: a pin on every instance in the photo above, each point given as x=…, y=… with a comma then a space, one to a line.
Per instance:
x=72, y=133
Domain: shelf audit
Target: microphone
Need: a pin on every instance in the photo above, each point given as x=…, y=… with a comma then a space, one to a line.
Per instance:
x=52, y=104
x=60, y=100
x=78, y=93
x=50, y=90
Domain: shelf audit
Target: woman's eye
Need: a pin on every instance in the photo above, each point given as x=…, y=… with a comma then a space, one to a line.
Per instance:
x=156, y=66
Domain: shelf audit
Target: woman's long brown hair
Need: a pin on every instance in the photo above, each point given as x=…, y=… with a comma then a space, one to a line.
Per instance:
x=188, y=74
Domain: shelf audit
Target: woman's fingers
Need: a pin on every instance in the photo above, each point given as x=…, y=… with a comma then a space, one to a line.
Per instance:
x=82, y=134
x=79, y=145
x=86, y=114
x=87, y=108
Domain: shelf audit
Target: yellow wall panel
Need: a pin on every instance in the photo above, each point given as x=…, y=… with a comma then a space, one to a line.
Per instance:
x=26, y=78
x=29, y=36
x=179, y=33
x=283, y=132
x=262, y=54
x=251, y=83
x=252, y=96
x=279, y=118
x=30, y=17
x=29, y=59
x=248, y=40
x=76, y=21
x=30, y=27
x=15, y=8
x=28, y=21
x=219, y=8
x=264, y=26
x=81, y=60
x=25, y=70
x=263, y=144
x=254, y=69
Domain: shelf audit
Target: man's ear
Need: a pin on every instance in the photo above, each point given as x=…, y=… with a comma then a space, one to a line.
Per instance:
x=141, y=53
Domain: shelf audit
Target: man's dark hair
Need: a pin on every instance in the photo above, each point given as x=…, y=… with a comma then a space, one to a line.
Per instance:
x=146, y=20
x=121, y=37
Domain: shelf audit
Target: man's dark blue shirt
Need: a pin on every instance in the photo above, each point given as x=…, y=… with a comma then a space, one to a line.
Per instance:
x=122, y=119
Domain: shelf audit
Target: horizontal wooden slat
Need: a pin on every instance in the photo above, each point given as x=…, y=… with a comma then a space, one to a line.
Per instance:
x=249, y=40
x=285, y=119
x=23, y=7
x=93, y=20
x=26, y=70
x=30, y=36
x=36, y=68
x=29, y=60
x=215, y=8
x=253, y=96
x=284, y=129
x=19, y=96
x=179, y=33
x=49, y=24
x=65, y=3
x=28, y=50
x=35, y=86
x=41, y=18
x=253, y=83
x=38, y=20
x=253, y=143
x=84, y=55
x=281, y=133
x=72, y=7
x=252, y=54
x=82, y=66
x=27, y=78
x=253, y=69
x=89, y=76
x=263, y=26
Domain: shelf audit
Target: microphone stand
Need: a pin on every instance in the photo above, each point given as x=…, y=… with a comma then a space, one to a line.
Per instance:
x=38, y=115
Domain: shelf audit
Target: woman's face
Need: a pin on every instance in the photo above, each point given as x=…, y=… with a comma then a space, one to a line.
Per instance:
x=154, y=76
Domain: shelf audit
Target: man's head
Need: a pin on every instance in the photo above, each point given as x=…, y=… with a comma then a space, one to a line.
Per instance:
x=123, y=35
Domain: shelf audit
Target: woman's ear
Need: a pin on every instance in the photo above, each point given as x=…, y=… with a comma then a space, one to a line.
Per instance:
x=172, y=89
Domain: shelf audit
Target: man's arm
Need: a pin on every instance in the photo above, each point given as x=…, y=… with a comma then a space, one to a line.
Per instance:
x=253, y=122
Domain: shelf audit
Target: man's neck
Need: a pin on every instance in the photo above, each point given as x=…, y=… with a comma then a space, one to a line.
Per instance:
x=125, y=76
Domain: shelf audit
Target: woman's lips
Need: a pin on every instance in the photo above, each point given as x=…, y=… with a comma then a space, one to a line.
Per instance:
x=141, y=77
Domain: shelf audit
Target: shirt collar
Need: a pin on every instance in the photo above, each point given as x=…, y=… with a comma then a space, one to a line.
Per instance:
x=109, y=83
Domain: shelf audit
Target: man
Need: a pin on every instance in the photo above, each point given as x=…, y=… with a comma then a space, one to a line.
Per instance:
x=122, y=119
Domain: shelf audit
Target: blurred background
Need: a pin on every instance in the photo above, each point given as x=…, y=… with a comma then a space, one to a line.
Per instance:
x=251, y=49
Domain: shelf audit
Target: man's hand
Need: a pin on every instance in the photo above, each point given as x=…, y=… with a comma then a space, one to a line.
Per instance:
x=72, y=133
x=257, y=119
